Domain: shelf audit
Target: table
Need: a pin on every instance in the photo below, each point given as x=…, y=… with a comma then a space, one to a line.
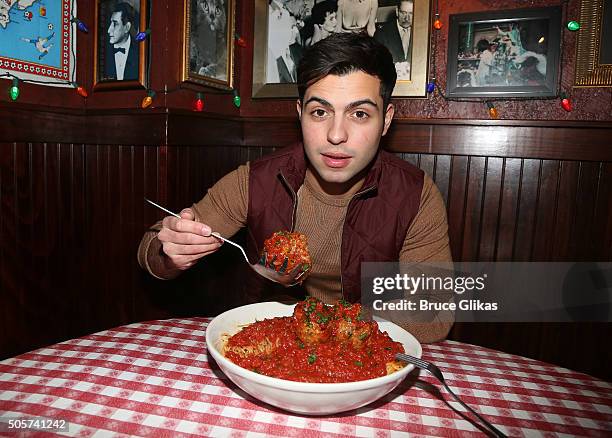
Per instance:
x=154, y=379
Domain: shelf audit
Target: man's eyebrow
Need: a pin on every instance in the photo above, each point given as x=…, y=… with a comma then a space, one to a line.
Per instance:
x=318, y=99
x=351, y=105
x=360, y=103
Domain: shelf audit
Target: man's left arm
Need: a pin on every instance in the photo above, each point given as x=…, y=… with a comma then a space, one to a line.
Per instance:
x=427, y=241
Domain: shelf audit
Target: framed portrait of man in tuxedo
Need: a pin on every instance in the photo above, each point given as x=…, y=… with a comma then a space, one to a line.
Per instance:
x=284, y=29
x=120, y=58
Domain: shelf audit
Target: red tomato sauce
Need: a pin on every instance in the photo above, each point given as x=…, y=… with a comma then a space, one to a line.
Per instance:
x=319, y=343
x=286, y=250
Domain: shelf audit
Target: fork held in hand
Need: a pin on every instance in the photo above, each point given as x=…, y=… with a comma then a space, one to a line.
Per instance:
x=435, y=371
x=285, y=278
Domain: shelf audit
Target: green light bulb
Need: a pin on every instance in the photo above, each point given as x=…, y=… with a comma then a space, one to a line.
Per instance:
x=573, y=26
x=14, y=90
x=237, y=101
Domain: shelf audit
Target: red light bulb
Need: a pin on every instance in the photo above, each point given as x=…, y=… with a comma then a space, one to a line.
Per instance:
x=566, y=104
x=198, y=104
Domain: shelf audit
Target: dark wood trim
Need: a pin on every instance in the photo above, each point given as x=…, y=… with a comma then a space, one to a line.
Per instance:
x=565, y=143
x=582, y=141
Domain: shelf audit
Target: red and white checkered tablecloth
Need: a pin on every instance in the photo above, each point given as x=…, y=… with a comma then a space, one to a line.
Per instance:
x=154, y=379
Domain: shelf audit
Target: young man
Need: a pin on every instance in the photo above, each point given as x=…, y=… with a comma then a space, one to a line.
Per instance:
x=354, y=202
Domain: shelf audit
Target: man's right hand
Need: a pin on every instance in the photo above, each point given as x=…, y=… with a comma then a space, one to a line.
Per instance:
x=185, y=241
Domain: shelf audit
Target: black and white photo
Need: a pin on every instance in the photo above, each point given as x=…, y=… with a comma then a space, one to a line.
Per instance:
x=120, y=59
x=284, y=29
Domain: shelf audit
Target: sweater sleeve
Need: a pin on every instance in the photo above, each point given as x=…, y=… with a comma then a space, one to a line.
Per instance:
x=427, y=241
x=224, y=209
x=427, y=236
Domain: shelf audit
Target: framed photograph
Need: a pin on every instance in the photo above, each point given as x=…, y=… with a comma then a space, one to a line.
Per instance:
x=208, y=43
x=285, y=28
x=511, y=53
x=594, y=47
x=119, y=60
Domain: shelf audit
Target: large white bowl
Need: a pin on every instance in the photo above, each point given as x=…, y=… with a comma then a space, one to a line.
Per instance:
x=301, y=397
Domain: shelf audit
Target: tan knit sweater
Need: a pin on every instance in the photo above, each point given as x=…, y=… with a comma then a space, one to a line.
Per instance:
x=320, y=217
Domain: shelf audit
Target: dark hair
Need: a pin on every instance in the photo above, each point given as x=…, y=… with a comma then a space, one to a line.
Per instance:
x=482, y=45
x=343, y=53
x=127, y=13
x=399, y=2
x=321, y=9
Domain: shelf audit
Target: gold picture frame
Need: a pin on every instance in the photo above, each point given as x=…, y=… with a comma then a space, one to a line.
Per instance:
x=415, y=86
x=105, y=72
x=595, y=30
x=208, y=52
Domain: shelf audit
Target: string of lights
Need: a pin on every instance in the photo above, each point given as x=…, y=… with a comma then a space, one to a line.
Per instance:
x=148, y=99
x=432, y=87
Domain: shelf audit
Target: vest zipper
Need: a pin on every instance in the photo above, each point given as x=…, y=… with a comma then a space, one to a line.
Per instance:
x=294, y=200
x=342, y=232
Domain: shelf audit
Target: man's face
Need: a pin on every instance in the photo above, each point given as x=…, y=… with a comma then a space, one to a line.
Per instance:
x=404, y=14
x=330, y=22
x=342, y=120
x=300, y=9
x=117, y=31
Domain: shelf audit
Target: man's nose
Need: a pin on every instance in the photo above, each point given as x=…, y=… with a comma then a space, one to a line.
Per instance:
x=337, y=131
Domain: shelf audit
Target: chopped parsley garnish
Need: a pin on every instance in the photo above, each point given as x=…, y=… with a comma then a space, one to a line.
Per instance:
x=300, y=344
x=322, y=319
x=312, y=357
x=358, y=363
x=363, y=336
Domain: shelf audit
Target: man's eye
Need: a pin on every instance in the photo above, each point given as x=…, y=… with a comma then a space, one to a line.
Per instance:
x=319, y=113
x=361, y=114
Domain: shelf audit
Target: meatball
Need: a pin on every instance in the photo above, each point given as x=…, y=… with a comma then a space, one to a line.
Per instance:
x=311, y=321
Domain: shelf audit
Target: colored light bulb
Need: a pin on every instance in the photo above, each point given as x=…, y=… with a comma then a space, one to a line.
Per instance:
x=198, y=104
x=14, y=90
x=566, y=104
x=236, y=99
x=241, y=42
x=80, y=25
x=573, y=25
x=492, y=110
x=148, y=99
x=80, y=90
x=437, y=24
x=141, y=36
x=431, y=86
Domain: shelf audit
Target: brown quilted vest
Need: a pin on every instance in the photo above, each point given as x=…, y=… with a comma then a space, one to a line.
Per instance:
x=376, y=221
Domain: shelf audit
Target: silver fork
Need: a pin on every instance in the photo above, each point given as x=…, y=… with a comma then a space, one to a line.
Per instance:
x=435, y=371
x=290, y=278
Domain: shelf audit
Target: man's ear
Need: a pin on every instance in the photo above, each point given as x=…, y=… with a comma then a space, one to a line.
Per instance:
x=298, y=107
x=389, y=112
